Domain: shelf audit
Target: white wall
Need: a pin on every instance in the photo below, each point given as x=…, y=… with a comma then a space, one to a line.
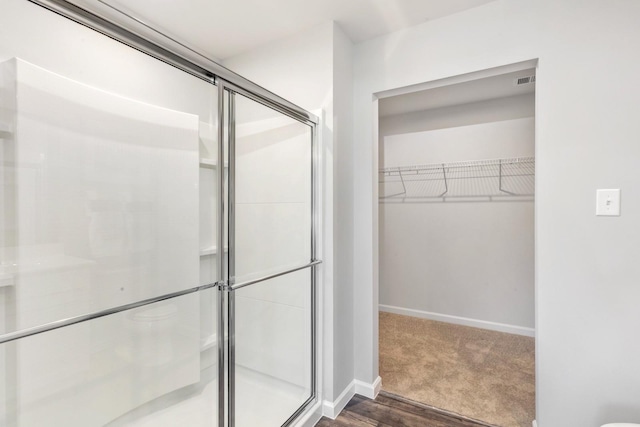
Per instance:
x=586, y=138
x=343, y=211
x=492, y=110
x=471, y=259
x=313, y=70
x=492, y=140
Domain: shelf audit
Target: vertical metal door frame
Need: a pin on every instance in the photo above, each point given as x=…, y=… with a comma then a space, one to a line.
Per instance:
x=226, y=238
x=231, y=301
x=220, y=205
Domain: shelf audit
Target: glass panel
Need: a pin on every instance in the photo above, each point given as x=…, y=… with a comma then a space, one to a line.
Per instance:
x=100, y=196
x=272, y=191
x=272, y=349
x=141, y=367
x=107, y=196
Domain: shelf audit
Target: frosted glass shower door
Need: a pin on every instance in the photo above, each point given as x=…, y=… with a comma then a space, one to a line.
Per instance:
x=102, y=321
x=270, y=271
x=156, y=231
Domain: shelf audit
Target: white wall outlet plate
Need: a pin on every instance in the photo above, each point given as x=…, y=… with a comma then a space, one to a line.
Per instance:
x=608, y=202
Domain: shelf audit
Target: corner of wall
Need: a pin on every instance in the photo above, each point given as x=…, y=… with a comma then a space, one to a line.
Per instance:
x=369, y=390
x=332, y=409
x=343, y=208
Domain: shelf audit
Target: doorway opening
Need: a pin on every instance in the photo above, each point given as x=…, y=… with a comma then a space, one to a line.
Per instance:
x=456, y=247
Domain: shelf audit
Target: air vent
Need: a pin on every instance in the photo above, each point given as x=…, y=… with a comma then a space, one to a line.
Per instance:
x=524, y=80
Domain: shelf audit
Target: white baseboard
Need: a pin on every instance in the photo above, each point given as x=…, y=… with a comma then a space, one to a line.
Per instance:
x=465, y=321
x=368, y=390
x=534, y=423
x=333, y=409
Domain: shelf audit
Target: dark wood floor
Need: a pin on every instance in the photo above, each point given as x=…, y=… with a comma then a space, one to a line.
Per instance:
x=389, y=411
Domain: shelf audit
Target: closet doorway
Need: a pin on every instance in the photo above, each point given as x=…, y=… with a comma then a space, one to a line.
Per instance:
x=456, y=245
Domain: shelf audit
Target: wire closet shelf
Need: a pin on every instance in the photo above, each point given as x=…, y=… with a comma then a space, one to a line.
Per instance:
x=508, y=179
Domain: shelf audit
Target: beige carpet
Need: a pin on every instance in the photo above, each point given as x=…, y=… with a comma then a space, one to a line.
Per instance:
x=481, y=374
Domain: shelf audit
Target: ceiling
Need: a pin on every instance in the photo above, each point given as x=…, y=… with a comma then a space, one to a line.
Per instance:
x=484, y=89
x=226, y=28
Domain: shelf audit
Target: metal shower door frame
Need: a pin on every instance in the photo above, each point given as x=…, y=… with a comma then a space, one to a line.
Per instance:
x=228, y=286
x=135, y=34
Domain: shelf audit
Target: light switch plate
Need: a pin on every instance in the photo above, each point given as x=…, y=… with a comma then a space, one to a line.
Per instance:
x=608, y=202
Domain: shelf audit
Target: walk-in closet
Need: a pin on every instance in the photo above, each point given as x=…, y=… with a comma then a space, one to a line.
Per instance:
x=456, y=246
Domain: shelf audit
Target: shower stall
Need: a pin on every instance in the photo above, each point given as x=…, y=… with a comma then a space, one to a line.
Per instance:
x=157, y=231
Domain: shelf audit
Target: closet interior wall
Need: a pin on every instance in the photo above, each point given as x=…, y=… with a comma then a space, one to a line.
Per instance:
x=465, y=260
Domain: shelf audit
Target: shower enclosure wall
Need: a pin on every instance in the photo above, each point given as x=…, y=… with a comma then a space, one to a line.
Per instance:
x=157, y=250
